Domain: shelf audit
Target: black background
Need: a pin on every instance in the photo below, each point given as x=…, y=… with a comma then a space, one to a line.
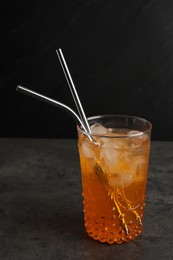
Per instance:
x=120, y=54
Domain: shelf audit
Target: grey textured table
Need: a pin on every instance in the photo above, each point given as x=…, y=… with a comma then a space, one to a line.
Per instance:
x=41, y=206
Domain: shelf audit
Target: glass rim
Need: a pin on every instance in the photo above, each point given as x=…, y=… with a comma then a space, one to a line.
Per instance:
x=141, y=133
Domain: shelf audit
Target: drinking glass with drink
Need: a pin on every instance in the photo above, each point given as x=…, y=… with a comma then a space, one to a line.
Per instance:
x=114, y=156
x=114, y=176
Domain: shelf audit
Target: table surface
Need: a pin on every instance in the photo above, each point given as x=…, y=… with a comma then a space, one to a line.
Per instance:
x=41, y=211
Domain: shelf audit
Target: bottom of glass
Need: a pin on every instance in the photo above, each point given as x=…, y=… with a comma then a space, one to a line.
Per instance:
x=107, y=234
x=111, y=240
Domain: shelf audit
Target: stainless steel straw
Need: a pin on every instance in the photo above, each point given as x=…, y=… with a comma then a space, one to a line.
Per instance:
x=82, y=120
x=34, y=94
x=73, y=89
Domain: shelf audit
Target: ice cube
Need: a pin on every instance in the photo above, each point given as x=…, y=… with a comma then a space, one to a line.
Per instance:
x=127, y=178
x=121, y=179
x=141, y=169
x=124, y=175
x=134, y=172
x=98, y=129
x=135, y=133
x=109, y=153
x=137, y=138
x=86, y=149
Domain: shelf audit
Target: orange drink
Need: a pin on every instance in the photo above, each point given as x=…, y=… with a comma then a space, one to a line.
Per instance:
x=114, y=170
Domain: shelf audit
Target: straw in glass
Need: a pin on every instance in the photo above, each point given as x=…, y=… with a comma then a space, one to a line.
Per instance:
x=73, y=89
x=83, y=117
x=82, y=120
x=51, y=101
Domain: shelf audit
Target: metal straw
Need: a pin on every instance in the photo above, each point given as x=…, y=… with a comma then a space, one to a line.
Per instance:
x=81, y=121
x=73, y=89
x=81, y=111
x=34, y=94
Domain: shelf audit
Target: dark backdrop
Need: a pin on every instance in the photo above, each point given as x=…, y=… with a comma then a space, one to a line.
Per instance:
x=120, y=54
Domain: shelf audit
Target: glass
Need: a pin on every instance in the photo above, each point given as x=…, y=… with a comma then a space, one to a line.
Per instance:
x=114, y=176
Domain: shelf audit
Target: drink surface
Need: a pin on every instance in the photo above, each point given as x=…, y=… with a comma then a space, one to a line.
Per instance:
x=114, y=176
